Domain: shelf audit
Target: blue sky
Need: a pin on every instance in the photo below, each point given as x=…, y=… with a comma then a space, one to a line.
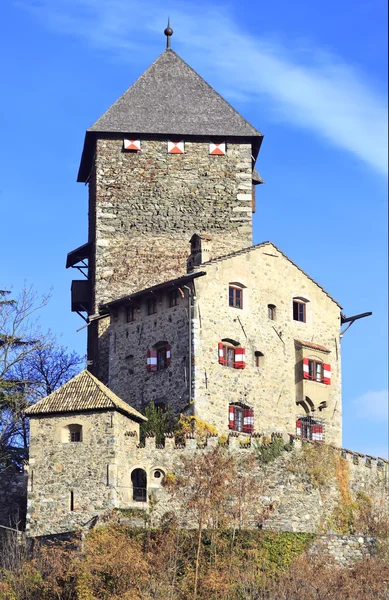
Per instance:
x=309, y=75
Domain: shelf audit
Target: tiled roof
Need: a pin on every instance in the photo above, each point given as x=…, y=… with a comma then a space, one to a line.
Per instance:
x=312, y=345
x=83, y=393
x=261, y=245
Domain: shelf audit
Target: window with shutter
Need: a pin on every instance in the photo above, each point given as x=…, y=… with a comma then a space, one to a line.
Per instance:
x=230, y=356
x=241, y=418
x=315, y=370
x=327, y=374
x=152, y=360
x=159, y=357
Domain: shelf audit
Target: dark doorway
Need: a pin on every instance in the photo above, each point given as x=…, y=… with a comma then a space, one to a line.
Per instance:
x=139, y=485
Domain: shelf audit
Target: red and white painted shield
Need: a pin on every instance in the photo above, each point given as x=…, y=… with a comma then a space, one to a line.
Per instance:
x=175, y=147
x=132, y=145
x=217, y=148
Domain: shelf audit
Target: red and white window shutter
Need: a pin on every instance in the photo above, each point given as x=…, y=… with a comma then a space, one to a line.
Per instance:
x=131, y=145
x=298, y=427
x=231, y=417
x=327, y=374
x=306, y=368
x=248, y=420
x=219, y=149
x=240, y=358
x=317, y=433
x=152, y=360
x=175, y=147
x=221, y=353
x=168, y=354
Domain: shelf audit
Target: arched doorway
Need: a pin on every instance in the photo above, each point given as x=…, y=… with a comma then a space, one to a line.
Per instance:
x=139, y=485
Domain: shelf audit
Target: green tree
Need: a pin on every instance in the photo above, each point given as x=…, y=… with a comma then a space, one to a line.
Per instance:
x=159, y=422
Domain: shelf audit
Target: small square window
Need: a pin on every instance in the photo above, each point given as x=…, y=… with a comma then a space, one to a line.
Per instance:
x=151, y=306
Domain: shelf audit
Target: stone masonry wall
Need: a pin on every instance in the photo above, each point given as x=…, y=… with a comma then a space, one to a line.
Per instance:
x=344, y=549
x=129, y=342
x=149, y=204
x=87, y=468
x=273, y=388
x=145, y=206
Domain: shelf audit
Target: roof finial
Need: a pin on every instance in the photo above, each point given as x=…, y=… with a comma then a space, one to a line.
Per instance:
x=168, y=32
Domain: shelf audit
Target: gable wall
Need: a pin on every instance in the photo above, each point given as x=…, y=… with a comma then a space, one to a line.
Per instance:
x=272, y=390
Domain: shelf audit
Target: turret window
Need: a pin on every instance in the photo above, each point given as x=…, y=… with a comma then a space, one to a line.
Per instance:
x=72, y=433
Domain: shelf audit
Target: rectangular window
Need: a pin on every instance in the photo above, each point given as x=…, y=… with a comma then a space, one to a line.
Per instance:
x=271, y=312
x=130, y=314
x=315, y=370
x=151, y=306
x=299, y=311
x=235, y=297
x=228, y=356
x=238, y=417
x=241, y=418
x=173, y=298
x=75, y=436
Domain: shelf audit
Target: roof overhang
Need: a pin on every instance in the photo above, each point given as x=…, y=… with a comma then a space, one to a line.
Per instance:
x=172, y=284
x=75, y=256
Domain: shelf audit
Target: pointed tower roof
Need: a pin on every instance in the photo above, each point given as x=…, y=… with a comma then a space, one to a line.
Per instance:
x=170, y=98
x=82, y=393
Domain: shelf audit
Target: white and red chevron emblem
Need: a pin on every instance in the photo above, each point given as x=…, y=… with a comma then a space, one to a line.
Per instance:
x=217, y=148
x=131, y=145
x=175, y=147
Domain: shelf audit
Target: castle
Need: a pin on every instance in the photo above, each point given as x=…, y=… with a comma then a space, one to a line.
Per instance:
x=182, y=309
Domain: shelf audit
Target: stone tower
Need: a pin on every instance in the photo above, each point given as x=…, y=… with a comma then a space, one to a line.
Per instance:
x=169, y=159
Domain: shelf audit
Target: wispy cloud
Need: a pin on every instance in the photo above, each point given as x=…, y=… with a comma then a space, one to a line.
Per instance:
x=304, y=87
x=372, y=406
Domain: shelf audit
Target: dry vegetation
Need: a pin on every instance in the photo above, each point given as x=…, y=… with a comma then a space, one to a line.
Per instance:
x=117, y=563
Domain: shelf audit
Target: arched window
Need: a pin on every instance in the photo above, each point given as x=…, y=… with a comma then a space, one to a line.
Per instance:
x=271, y=312
x=72, y=433
x=235, y=295
x=240, y=417
x=139, y=485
